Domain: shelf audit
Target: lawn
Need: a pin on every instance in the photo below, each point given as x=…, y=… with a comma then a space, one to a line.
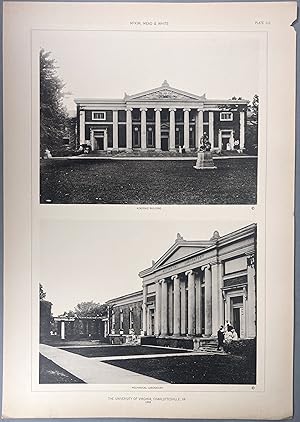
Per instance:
x=93, y=352
x=89, y=181
x=198, y=369
x=50, y=373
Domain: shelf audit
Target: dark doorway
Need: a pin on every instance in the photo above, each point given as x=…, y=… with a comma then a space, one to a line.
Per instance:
x=165, y=143
x=100, y=143
x=237, y=320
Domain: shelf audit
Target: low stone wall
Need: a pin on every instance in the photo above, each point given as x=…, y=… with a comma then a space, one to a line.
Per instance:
x=180, y=343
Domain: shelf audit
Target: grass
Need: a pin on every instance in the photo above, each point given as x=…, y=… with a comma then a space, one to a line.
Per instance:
x=92, y=352
x=50, y=373
x=198, y=369
x=147, y=182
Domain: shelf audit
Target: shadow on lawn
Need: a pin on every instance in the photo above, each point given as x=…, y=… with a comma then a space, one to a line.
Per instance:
x=147, y=182
x=198, y=369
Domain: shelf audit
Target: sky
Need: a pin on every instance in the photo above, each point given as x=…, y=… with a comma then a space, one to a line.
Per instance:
x=83, y=260
x=95, y=64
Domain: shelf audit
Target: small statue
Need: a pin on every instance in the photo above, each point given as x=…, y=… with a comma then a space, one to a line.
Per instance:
x=205, y=145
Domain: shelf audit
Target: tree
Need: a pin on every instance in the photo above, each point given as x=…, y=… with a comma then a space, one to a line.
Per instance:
x=53, y=115
x=89, y=309
x=252, y=126
x=42, y=292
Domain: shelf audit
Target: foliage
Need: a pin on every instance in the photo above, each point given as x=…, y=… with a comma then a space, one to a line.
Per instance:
x=42, y=292
x=53, y=115
x=252, y=126
x=89, y=309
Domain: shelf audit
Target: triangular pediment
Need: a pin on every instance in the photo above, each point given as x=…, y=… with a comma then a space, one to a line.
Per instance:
x=179, y=250
x=164, y=93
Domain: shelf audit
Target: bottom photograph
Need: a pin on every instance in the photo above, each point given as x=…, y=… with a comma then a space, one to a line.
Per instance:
x=147, y=302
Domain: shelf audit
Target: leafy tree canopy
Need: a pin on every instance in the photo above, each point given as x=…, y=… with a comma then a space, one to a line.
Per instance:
x=86, y=309
x=53, y=114
x=42, y=292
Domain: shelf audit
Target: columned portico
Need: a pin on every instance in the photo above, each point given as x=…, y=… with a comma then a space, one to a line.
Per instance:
x=196, y=286
x=161, y=119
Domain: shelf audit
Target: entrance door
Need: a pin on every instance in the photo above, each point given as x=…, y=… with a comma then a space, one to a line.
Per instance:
x=99, y=143
x=237, y=320
x=152, y=321
x=165, y=141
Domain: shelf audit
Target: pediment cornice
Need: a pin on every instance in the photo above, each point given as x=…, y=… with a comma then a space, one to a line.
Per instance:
x=164, y=93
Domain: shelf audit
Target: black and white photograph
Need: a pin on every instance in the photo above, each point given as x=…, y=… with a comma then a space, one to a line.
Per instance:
x=156, y=303
x=131, y=117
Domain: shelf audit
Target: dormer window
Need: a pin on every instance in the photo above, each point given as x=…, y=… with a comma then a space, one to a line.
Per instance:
x=226, y=116
x=99, y=115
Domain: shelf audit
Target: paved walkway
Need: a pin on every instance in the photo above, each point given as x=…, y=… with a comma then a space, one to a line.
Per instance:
x=93, y=371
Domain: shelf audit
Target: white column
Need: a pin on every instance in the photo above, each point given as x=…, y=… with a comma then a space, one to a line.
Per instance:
x=62, y=330
x=157, y=129
x=221, y=299
x=105, y=140
x=183, y=307
x=158, y=308
x=207, y=294
x=92, y=138
x=176, y=322
x=199, y=126
x=143, y=128
x=242, y=130
x=164, y=307
x=251, y=299
x=115, y=129
x=172, y=129
x=128, y=129
x=198, y=304
x=215, y=298
x=170, y=309
x=191, y=302
x=145, y=310
x=186, y=129
x=82, y=127
x=211, y=128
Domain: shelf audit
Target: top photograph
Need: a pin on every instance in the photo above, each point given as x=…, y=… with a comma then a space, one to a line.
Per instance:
x=158, y=118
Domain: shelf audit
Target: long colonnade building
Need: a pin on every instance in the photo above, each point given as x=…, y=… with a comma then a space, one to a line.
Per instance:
x=161, y=119
x=191, y=290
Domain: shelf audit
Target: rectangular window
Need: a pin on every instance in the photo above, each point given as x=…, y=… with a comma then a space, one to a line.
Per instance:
x=121, y=320
x=98, y=115
x=150, y=137
x=130, y=319
x=226, y=116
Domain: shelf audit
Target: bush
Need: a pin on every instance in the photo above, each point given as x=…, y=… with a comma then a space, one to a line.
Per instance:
x=244, y=347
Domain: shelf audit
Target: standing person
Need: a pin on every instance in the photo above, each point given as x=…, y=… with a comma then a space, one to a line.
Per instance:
x=234, y=334
x=228, y=340
x=220, y=338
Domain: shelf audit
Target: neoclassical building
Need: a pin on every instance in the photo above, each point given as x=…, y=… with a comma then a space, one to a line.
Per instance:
x=192, y=289
x=161, y=119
